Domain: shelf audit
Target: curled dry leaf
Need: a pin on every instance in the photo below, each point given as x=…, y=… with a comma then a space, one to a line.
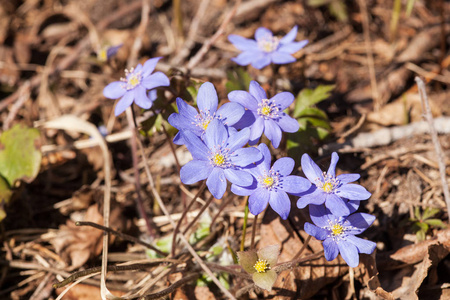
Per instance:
x=77, y=244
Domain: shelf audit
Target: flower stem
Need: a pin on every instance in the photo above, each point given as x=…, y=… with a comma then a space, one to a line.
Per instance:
x=305, y=244
x=199, y=214
x=185, y=211
x=140, y=204
x=255, y=222
x=244, y=227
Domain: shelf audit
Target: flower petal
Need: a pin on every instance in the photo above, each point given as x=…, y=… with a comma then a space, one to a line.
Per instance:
x=217, y=183
x=284, y=165
x=244, y=190
x=216, y=134
x=347, y=178
x=316, y=198
x=246, y=156
x=360, y=222
x=363, y=246
x=263, y=33
x=149, y=66
x=230, y=113
x=247, y=57
x=315, y=231
x=280, y=203
x=293, y=47
x=282, y=58
x=349, y=253
x=140, y=97
x=288, y=124
x=295, y=184
x=247, y=259
x=334, y=160
x=238, y=140
x=124, y=103
x=257, y=129
x=353, y=192
x=242, y=43
x=337, y=206
x=186, y=110
x=320, y=215
x=155, y=80
x=243, y=98
x=195, y=145
x=207, y=99
x=265, y=280
x=353, y=205
x=238, y=177
x=267, y=156
x=283, y=99
x=114, y=90
x=270, y=254
x=262, y=61
x=290, y=36
x=257, y=201
x=311, y=170
x=257, y=91
x=194, y=171
x=272, y=132
x=331, y=249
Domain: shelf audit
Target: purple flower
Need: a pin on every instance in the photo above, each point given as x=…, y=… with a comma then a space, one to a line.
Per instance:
x=338, y=234
x=106, y=53
x=218, y=157
x=272, y=184
x=330, y=189
x=135, y=85
x=266, y=48
x=207, y=101
x=265, y=115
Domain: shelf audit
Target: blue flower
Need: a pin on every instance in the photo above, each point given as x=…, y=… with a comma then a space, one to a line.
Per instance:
x=207, y=101
x=106, y=53
x=135, y=85
x=263, y=114
x=338, y=234
x=330, y=189
x=272, y=184
x=266, y=48
x=218, y=157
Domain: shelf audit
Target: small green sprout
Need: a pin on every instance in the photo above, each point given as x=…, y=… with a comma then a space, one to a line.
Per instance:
x=423, y=221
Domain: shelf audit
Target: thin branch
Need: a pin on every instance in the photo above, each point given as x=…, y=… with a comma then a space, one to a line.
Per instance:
x=434, y=136
x=207, y=45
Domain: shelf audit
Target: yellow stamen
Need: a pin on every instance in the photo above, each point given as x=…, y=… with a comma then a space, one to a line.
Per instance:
x=337, y=229
x=265, y=110
x=219, y=159
x=327, y=187
x=261, y=266
x=102, y=56
x=205, y=124
x=268, y=181
x=134, y=80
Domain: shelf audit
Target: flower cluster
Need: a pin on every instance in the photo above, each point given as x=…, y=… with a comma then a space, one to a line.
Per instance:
x=333, y=201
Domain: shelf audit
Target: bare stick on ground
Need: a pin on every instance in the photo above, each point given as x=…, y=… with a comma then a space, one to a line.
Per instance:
x=437, y=146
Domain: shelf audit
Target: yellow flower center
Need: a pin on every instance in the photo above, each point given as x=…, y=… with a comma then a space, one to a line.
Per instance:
x=327, y=187
x=102, y=55
x=219, y=159
x=268, y=181
x=133, y=81
x=205, y=124
x=261, y=266
x=266, y=110
x=337, y=229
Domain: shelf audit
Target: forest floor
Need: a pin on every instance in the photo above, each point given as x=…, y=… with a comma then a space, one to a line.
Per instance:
x=374, y=119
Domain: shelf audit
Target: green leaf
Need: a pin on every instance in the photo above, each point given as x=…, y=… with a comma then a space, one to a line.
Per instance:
x=429, y=212
x=435, y=223
x=308, y=97
x=339, y=10
x=20, y=155
x=238, y=79
x=417, y=213
x=420, y=235
x=5, y=196
x=423, y=226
